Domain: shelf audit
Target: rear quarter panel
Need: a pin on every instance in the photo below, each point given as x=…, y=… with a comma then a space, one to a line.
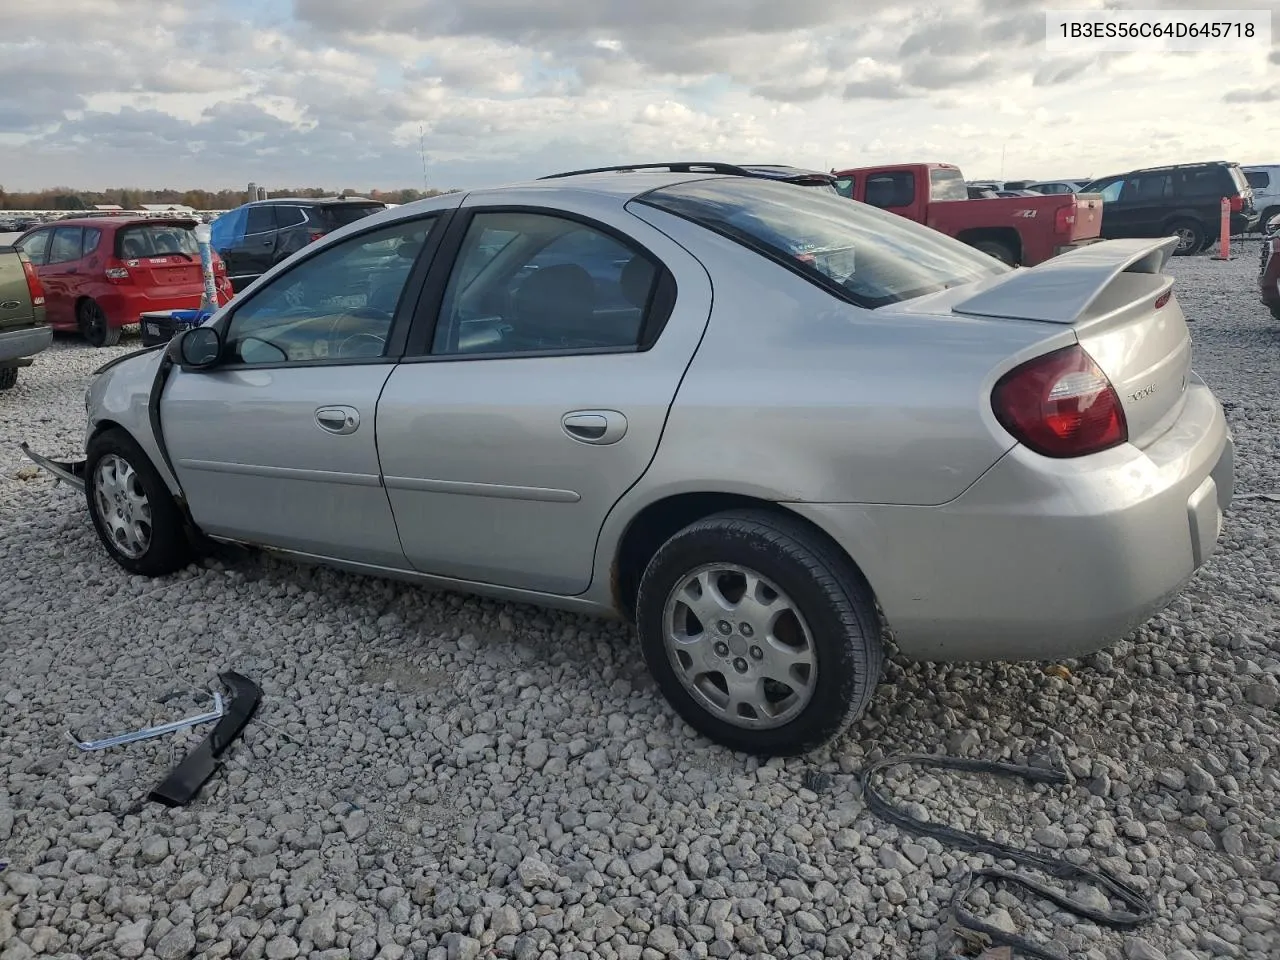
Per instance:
x=1032, y=218
x=795, y=395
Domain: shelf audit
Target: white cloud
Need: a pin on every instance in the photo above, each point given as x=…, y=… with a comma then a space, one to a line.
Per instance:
x=330, y=92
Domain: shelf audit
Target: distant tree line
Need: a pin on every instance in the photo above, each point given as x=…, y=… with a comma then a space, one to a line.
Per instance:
x=66, y=198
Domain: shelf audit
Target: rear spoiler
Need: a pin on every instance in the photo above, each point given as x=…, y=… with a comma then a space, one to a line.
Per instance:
x=1063, y=288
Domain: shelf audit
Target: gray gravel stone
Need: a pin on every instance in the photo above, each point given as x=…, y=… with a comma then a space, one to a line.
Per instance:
x=433, y=775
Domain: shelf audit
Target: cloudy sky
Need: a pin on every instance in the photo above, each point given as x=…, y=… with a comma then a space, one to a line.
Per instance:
x=343, y=93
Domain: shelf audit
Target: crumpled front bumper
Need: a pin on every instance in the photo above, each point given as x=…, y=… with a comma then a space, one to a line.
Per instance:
x=70, y=472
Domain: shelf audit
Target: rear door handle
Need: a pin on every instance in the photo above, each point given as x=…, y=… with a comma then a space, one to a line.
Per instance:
x=598, y=427
x=339, y=420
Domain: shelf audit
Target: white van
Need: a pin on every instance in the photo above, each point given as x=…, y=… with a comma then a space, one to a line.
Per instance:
x=1265, y=180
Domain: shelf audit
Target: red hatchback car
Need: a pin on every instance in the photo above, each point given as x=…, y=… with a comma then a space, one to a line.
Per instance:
x=100, y=273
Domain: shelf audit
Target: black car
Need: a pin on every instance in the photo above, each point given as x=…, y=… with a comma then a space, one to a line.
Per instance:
x=253, y=238
x=1183, y=200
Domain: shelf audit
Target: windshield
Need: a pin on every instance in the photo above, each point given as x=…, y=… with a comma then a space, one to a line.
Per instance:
x=156, y=240
x=340, y=215
x=859, y=253
x=947, y=185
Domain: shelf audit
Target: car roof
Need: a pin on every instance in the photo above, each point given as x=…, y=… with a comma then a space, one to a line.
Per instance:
x=310, y=201
x=115, y=221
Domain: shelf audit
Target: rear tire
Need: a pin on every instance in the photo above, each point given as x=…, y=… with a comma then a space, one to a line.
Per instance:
x=1275, y=311
x=132, y=510
x=1001, y=251
x=1191, y=235
x=1267, y=214
x=94, y=325
x=779, y=669
x=8, y=378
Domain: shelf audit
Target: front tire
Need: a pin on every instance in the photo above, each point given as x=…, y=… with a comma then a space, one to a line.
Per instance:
x=94, y=325
x=8, y=378
x=760, y=634
x=132, y=510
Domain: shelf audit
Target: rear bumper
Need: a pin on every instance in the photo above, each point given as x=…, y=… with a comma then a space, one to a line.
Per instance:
x=1044, y=558
x=1244, y=223
x=1075, y=245
x=23, y=343
x=125, y=309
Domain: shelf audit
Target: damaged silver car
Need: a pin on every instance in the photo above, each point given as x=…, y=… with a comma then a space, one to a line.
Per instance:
x=760, y=421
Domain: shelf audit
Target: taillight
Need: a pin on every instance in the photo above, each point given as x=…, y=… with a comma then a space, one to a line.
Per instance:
x=1237, y=204
x=1061, y=405
x=116, y=271
x=1064, y=218
x=34, y=287
x=314, y=235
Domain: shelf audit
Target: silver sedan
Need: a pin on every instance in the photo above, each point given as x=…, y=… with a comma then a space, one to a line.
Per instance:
x=763, y=422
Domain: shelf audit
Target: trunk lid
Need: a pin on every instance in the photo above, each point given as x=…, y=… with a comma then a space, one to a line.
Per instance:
x=1118, y=302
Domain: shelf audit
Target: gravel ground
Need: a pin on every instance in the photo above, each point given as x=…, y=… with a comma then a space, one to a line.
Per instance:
x=437, y=776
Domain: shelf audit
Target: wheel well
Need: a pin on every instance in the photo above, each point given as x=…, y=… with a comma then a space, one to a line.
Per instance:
x=1267, y=214
x=656, y=523
x=1006, y=236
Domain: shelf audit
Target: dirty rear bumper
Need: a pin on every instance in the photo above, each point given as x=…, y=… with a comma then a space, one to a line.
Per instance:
x=25, y=343
x=67, y=471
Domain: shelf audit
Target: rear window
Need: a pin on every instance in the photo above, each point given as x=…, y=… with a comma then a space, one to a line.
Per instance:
x=1238, y=178
x=155, y=240
x=856, y=252
x=947, y=185
x=333, y=217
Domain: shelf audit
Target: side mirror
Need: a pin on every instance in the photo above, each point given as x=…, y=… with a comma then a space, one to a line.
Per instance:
x=199, y=347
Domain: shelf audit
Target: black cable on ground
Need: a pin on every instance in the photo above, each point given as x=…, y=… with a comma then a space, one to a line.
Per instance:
x=1140, y=907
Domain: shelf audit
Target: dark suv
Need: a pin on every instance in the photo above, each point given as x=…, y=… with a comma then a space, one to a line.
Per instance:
x=1183, y=200
x=253, y=238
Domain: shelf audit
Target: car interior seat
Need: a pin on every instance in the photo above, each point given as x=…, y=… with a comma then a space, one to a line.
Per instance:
x=554, y=305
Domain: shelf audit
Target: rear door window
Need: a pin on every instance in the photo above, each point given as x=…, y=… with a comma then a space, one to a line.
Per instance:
x=261, y=220
x=1150, y=188
x=66, y=245
x=896, y=189
x=1258, y=179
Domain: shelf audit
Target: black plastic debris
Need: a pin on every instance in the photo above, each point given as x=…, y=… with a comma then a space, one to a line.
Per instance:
x=185, y=780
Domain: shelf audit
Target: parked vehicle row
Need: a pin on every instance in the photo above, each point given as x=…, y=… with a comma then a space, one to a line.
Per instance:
x=532, y=392
x=100, y=274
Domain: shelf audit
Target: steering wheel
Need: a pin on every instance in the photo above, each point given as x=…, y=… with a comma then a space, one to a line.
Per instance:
x=379, y=343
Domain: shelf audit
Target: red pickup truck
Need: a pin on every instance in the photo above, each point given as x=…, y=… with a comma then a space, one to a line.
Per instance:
x=1017, y=230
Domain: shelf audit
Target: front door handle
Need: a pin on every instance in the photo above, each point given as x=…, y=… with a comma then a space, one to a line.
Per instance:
x=339, y=420
x=595, y=426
